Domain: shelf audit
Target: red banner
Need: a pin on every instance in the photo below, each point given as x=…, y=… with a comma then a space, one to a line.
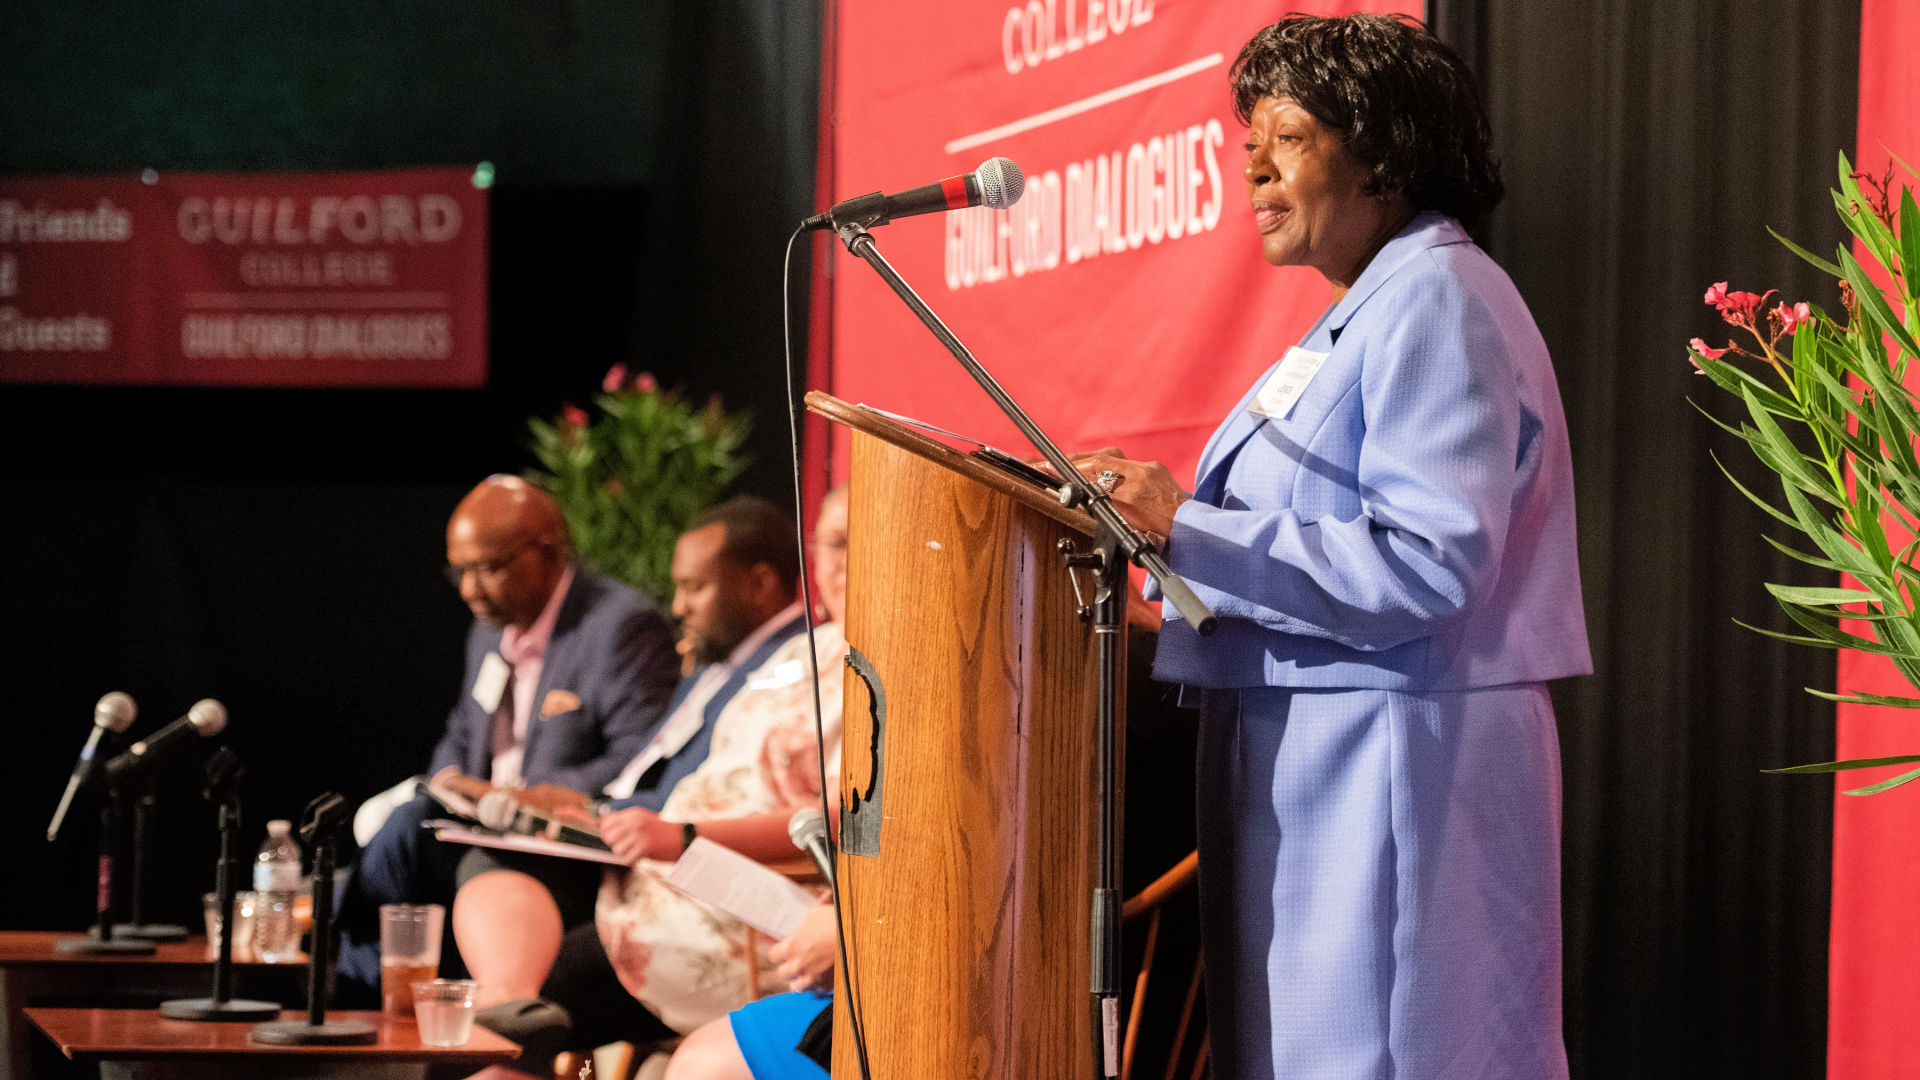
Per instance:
x=339, y=279
x=1123, y=300
x=1873, y=1024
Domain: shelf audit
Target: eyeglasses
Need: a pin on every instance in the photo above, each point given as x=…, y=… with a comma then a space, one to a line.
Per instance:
x=485, y=569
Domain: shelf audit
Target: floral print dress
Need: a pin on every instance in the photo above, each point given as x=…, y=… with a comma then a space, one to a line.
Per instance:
x=688, y=962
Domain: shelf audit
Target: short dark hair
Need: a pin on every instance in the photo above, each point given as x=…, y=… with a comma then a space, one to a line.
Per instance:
x=1402, y=101
x=757, y=531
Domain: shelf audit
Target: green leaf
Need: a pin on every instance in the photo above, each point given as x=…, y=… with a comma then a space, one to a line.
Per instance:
x=1843, y=766
x=1874, y=305
x=1813, y=642
x=1733, y=378
x=1858, y=698
x=1885, y=785
x=1825, y=629
x=1783, y=457
x=1803, y=594
x=1755, y=499
x=1909, y=238
x=1823, y=265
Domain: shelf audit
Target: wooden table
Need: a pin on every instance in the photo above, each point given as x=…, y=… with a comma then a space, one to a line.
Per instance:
x=33, y=972
x=142, y=1043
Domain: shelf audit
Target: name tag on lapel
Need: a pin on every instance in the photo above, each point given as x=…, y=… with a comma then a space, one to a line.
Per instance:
x=491, y=682
x=1288, y=381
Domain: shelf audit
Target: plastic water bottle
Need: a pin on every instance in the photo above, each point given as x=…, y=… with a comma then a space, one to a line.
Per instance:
x=276, y=878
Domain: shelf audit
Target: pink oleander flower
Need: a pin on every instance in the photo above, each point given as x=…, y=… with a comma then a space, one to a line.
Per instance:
x=1793, y=318
x=616, y=378
x=1717, y=295
x=645, y=383
x=573, y=416
x=1739, y=308
x=1705, y=350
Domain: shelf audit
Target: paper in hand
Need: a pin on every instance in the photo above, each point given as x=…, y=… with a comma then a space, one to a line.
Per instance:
x=723, y=878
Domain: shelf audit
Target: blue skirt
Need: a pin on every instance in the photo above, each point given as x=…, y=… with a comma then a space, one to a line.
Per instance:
x=1380, y=884
x=767, y=1030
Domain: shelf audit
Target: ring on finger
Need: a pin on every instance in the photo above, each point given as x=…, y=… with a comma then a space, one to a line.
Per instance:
x=1108, y=480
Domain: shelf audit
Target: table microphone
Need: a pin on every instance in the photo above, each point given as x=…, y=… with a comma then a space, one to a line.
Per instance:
x=114, y=713
x=206, y=719
x=808, y=831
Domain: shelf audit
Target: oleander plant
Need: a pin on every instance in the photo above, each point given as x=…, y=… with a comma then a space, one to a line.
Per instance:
x=633, y=471
x=1829, y=411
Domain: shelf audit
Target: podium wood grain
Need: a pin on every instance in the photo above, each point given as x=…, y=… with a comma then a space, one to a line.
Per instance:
x=968, y=932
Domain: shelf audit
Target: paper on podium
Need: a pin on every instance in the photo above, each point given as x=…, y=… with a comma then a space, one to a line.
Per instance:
x=723, y=878
x=453, y=833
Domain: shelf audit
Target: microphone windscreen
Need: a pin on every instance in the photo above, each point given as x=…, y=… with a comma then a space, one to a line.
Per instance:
x=497, y=809
x=115, y=712
x=1001, y=182
x=208, y=717
x=806, y=826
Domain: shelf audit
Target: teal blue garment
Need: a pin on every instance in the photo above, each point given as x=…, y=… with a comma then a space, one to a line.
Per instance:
x=1392, y=557
x=766, y=1031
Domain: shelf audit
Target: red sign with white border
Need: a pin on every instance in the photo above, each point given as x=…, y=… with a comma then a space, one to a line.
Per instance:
x=334, y=279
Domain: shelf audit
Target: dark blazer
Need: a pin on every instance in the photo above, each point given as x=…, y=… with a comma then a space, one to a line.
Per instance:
x=612, y=651
x=660, y=778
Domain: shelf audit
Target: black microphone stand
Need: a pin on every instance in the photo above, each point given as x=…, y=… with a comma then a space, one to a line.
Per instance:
x=100, y=939
x=223, y=787
x=138, y=927
x=1116, y=543
x=321, y=820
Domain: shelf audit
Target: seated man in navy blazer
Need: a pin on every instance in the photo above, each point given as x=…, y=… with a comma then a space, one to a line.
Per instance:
x=735, y=576
x=567, y=675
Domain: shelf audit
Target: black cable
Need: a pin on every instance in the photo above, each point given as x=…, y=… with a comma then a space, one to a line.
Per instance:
x=849, y=993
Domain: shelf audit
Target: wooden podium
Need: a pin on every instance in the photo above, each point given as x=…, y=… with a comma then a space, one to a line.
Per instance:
x=969, y=819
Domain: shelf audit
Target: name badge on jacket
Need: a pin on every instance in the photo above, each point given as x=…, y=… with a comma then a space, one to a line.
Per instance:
x=491, y=683
x=1286, y=384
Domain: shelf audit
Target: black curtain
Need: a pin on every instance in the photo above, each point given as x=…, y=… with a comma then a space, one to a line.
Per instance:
x=1647, y=147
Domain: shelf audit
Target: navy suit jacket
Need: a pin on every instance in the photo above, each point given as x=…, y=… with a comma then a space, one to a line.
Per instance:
x=659, y=780
x=612, y=651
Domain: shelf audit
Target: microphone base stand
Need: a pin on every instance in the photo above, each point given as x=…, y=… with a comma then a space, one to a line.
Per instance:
x=139, y=928
x=317, y=1030
x=223, y=1006
x=100, y=940
x=1116, y=543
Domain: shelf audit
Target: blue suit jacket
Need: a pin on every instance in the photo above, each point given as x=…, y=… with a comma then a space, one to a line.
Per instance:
x=610, y=649
x=658, y=781
x=1408, y=524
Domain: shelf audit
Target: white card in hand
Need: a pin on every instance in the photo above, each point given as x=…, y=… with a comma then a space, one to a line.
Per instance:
x=722, y=877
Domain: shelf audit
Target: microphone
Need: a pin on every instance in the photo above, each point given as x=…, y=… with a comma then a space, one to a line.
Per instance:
x=114, y=713
x=997, y=183
x=207, y=718
x=808, y=831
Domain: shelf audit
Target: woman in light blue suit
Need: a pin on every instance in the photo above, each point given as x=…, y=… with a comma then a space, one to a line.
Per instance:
x=1385, y=526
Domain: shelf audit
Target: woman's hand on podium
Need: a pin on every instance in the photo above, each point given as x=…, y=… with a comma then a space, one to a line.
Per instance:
x=1144, y=492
